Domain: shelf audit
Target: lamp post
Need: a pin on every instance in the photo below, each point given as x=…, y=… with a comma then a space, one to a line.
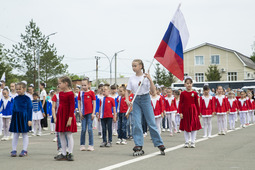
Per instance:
x=38, y=57
x=116, y=65
x=110, y=62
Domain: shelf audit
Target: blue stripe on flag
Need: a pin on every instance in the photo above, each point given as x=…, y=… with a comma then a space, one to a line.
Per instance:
x=173, y=39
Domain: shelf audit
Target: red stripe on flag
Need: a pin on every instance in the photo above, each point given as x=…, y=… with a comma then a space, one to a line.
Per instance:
x=170, y=60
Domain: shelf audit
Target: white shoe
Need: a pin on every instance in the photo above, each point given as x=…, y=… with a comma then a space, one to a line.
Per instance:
x=223, y=133
x=209, y=136
x=45, y=128
x=123, y=142
x=118, y=141
x=39, y=134
x=192, y=145
x=3, y=138
x=186, y=145
x=163, y=130
x=168, y=130
x=205, y=136
x=101, y=137
x=90, y=148
x=33, y=134
x=55, y=139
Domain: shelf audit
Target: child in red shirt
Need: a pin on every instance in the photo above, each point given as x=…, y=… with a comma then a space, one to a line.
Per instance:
x=107, y=105
x=122, y=120
x=87, y=106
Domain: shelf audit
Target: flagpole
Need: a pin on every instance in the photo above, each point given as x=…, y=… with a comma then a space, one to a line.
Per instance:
x=127, y=113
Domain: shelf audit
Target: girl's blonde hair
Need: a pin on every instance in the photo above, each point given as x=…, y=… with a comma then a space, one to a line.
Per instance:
x=140, y=62
x=66, y=79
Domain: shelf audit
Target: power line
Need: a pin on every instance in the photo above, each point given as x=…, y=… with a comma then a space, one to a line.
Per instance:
x=8, y=38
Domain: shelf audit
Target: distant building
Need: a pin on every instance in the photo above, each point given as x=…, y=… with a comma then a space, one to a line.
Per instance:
x=233, y=65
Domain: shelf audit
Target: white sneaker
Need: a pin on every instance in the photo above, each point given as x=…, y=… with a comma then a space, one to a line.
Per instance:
x=209, y=136
x=168, y=130
x=186, y=145
x=45, y=128
x=192, y=145
x=223, y=133
x=55, y=139
x=39, y=134
x=123, y=142
x=3, y=138
x=118, y=141
x=33, y=134
x=90, y=148
x=163, y=130
x=205, y=136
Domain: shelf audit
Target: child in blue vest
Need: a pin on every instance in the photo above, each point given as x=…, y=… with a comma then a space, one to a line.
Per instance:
x=38, y=114
x=6, y=104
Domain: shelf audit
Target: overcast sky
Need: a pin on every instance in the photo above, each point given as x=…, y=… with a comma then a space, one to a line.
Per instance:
x=86, y=26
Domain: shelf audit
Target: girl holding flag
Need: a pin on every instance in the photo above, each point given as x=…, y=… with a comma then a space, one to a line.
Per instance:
x=142, y=105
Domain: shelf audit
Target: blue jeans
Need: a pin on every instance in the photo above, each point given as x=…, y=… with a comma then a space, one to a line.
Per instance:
x=86, y=121
x=107, y=125
x=122, y=126
x=130, y=125
x=142, y=106
x=164, y=123
x=144, y=124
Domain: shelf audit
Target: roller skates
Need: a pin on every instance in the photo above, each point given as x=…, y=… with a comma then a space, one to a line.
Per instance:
x=162, y=149
x=138, y=151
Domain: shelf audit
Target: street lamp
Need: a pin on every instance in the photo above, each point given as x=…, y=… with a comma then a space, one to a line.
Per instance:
x=38, y=57
x=110, y=62
x=116, y=65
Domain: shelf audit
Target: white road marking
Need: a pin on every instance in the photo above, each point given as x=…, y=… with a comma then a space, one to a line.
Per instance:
x=157, y=153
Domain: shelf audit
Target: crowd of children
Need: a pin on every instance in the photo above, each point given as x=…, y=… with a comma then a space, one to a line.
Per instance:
x=160, y=109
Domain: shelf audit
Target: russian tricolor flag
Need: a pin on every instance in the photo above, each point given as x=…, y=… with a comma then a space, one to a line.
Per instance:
x=170, y=50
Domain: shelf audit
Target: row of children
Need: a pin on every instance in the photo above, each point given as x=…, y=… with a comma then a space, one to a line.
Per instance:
x=39, y=110
x=168, y=106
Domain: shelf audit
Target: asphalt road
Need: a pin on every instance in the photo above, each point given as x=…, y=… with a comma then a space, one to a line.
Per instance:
x=236, y=150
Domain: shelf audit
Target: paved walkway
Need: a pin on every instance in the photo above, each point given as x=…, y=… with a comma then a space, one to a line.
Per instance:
x=236, y=150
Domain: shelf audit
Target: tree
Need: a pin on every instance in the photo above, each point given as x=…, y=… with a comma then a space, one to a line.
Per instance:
x=24, y=57
x=163, y=77
x=253, y=53
x=6, y=68
x=213, y=73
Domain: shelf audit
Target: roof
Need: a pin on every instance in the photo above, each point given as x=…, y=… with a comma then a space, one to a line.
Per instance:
x=244, y=59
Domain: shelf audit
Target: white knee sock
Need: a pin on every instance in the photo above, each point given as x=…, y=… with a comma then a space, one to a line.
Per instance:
x=205, y=126
x=173, y=121
x=158, y=120
x=193, y=136
x=187, y=136
x=39, y=126
x=52, y=127
x=25, y=141
x=70, y=141
x=63, y=142
x=15, y=141
x=209, y=123
x=219, y=122
x=1, y=125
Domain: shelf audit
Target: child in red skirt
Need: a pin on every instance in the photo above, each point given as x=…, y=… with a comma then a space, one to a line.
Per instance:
x=66, y=122
x=189, y=113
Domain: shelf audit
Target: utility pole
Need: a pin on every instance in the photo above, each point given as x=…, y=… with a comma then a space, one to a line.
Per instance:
x=97, y=58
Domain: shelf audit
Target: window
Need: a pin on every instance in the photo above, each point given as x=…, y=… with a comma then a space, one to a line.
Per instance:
x=199, y=77
x=186, y=74
x=232, y=76
x=199, y=60
x=215, y=59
